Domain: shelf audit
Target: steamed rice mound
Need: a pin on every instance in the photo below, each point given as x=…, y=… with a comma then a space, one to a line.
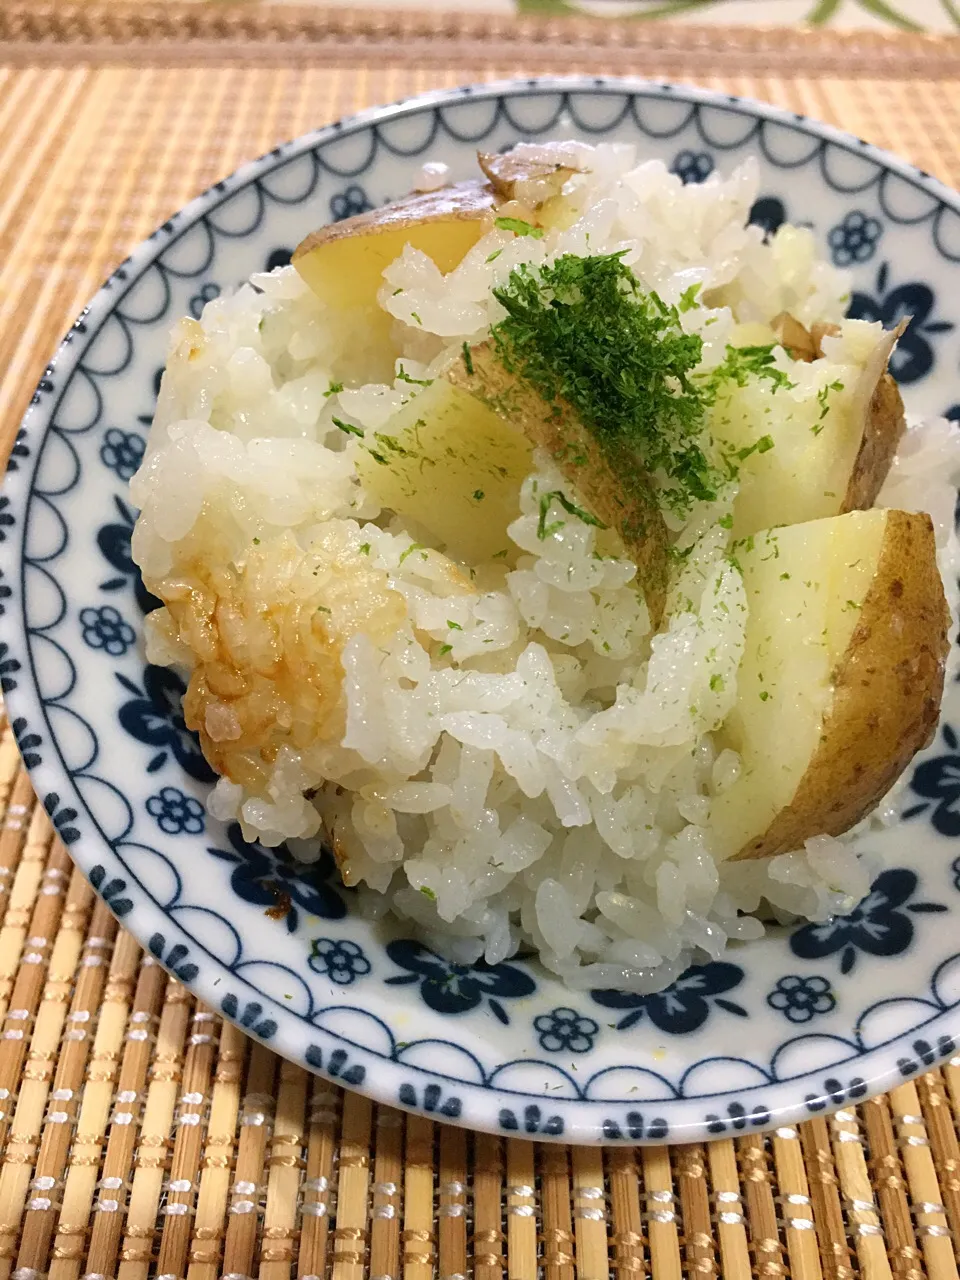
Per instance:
x=502, y=753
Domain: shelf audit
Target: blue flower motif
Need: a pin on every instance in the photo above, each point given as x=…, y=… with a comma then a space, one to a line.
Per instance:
x=685, y=1005
x=767, y=212
x=277, y=258
x=105, y=629
x=635, y=1127
x=207, y=293
x=565, y=1030
x=347, y=204
x=27, y=742
x=274, y=879
x=154, y=715
x=176, y=813
x=122, y=452
x=339, y=959
x=250, y=1017
x=801, y=999
x=877, y=926
x=175, y=959
x=692, y=166
x=111, y=891
x=913, y=356
x=433, y=1100
x=19, y=450
x=737, y=1117
x=533, y=1122
x=8, y=668
x=6, y=519
x=454, y=988
x=938, y=782
x=114, y=543
x=854, y=239
x=5, y=594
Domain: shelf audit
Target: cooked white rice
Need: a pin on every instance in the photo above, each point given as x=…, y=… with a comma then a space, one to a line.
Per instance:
x=507, y=758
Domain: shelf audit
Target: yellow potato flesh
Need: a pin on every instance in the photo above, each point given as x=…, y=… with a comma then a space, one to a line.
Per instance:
x=804, y=476
x=841, y=679
x=804, y=588
x=343, y=263
x=453, y=466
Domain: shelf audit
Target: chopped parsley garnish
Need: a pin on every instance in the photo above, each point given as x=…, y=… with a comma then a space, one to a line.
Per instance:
x=467, y=359
x=519, y=227
x=454, y=626
x=741, y=363
x=364, y=548
x=716, y=683
x=763, y=445
x=414, y=546
x=445, y=649
x=764, y=695
x=822, y=400
x=322, y=608
x=395, y=292
x=544, y=530
x=478, y=495
x=416, y=317
x=492, y=257
x=726, y=522
x=583, y=330
x=348, y=428
x=334, y=389
x=688, y=299
x=428, y=893
x=501, y=555
x=403, y=376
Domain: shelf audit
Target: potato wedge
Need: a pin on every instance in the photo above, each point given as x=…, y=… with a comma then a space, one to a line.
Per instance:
x=343, y=263
x=609, y=481
x=841, y=678
x=516, y=175
x=831, y=449
x=452, y=465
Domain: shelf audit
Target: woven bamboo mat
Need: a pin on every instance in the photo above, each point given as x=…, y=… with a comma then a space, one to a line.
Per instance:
x=139, y=1135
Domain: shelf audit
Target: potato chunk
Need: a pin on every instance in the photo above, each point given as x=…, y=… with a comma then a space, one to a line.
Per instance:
x=452, y=465
x=825, y=447
x=841, y=678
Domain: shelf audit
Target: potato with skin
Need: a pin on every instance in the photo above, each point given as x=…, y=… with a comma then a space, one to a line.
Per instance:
x=448, y=462
x=841, y=679
x=343, y=263
x=825, y=453
x=609, y=481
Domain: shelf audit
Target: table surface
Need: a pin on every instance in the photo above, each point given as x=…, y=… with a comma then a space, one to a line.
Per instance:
x=139, y=1135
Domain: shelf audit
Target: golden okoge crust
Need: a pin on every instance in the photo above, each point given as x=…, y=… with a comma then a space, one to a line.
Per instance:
x=612, y=488
x=887, y=693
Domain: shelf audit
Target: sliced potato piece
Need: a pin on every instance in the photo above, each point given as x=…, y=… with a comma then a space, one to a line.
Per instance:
x=819, y=454
x=343, y=263
x=452, y=465
x=516, y=175
x=841, y=678
x=609, y=480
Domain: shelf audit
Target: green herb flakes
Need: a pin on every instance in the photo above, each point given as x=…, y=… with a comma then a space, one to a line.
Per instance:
x=584, y=331
x=519, y=227
x=544, y=530
x=348, y=428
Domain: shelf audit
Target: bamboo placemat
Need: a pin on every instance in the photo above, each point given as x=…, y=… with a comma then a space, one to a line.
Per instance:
x=139, y=1135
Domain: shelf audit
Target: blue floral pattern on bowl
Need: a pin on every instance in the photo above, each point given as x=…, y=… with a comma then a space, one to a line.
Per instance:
x=776, y=1030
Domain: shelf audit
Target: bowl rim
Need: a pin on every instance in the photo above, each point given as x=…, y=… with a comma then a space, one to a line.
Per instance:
x=584, y=1116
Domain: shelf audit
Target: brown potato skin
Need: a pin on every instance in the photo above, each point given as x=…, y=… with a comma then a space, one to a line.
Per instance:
x=612, y=487
x=884, y=419
x=887, y=692
x=505, y=171
x=470, y=200
x=885, y=424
